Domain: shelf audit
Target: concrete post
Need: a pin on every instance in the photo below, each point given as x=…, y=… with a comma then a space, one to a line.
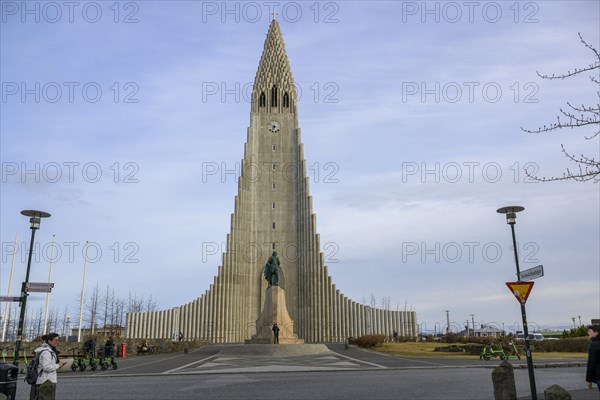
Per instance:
x=503, y=378
x=556, y=392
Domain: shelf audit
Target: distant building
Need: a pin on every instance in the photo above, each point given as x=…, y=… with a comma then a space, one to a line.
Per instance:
x=108, y=330
x=484, y=331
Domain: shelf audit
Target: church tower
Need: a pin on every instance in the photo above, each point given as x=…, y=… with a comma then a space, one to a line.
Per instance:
x=272, y=212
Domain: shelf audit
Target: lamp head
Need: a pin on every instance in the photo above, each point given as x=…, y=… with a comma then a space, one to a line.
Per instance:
x=511, y=213
x=36, y=217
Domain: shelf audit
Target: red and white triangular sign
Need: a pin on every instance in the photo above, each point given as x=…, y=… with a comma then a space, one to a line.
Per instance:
x=520, y=290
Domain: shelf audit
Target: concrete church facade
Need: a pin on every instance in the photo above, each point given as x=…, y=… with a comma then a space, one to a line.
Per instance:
x=273, y=212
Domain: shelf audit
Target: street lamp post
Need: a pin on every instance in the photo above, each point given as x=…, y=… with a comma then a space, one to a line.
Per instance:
x=511, y=219
x=35, y=218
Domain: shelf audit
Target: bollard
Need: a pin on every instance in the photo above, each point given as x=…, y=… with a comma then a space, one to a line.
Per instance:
x=503, y=378
x=185, y=348
x=556, y=392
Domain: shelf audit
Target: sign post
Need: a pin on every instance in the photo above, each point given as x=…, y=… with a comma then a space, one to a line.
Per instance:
x=39, y=287
x=9, y=298
x=521, y=290
x=532, y=273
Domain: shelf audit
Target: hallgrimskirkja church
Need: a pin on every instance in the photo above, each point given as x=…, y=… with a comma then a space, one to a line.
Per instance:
x=272, y=213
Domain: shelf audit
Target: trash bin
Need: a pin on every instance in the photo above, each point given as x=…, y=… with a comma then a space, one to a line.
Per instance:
x=123, y=349
x=8, y=380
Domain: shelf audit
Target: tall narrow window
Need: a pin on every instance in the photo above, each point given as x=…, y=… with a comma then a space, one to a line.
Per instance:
x=274, y=168
x=273, y=225
x=273, y=185
x=273, y=147
x=274, y=96
x=262, y=100
x=286, y=100
x=273, y=246
x=273, y=205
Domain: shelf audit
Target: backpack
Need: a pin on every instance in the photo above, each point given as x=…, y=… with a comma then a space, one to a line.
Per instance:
x=33, y=369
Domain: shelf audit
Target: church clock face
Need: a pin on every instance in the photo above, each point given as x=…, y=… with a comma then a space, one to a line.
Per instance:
x=274, y=126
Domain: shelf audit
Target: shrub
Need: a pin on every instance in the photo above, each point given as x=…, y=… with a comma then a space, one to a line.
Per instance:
x=370, y=340
x=575, y=332
x=452, y=338
x=573, y=345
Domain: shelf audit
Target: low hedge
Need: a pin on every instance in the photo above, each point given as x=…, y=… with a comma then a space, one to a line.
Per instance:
x=571, y=345
x=369, y=340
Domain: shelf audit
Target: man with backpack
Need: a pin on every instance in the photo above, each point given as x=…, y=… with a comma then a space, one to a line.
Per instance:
x=44, y=387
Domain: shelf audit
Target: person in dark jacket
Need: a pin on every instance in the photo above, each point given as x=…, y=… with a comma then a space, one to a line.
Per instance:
x=275, y=330
x=593, y=365
x=109, y=347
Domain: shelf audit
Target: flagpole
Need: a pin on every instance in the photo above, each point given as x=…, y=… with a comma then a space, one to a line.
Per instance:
x=12, y=268
x=82, y=292
x=49, y=281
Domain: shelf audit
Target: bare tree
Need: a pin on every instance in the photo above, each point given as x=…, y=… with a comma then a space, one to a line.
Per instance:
x=38, y=322
x=92, y=308
x=151, y=304
x=386, y=303
x=373, y=301
x=66, y=321
x=106, y=305
x=135, y=304
x=52, y=320
x=119, y=311
x=587, y=166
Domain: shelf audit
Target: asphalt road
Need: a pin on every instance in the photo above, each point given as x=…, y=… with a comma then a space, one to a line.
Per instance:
x=347, y=374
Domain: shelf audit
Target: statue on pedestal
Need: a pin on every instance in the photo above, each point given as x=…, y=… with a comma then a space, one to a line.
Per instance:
x=274, y=325
x=271, y=271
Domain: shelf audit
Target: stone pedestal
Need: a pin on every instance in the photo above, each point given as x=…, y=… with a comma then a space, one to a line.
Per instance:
x=275, y=311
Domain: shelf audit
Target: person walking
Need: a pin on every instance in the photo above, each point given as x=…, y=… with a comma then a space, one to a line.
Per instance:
x=109, y=348
x=592, y=374
x=275, y=330
x=45, y=386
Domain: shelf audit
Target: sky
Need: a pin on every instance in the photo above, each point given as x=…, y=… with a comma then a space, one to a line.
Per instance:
x=126, y=121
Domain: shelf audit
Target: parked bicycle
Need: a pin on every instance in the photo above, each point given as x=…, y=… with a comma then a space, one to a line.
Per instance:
x=488, y=351
x=106, y=362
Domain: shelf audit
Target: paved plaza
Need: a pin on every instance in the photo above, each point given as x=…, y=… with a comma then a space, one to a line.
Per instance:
x=310, y=371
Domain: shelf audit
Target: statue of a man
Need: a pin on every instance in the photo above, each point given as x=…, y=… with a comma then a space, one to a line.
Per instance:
x=271, y=271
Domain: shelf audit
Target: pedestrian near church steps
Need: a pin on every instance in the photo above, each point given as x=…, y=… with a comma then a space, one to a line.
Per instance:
x=275, y=330
x=593, y=365
x=45, y=386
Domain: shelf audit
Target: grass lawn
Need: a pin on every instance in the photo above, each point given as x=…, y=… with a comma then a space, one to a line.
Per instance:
x=425, y=349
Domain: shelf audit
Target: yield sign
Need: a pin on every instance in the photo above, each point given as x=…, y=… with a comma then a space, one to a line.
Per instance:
x=521, y=290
